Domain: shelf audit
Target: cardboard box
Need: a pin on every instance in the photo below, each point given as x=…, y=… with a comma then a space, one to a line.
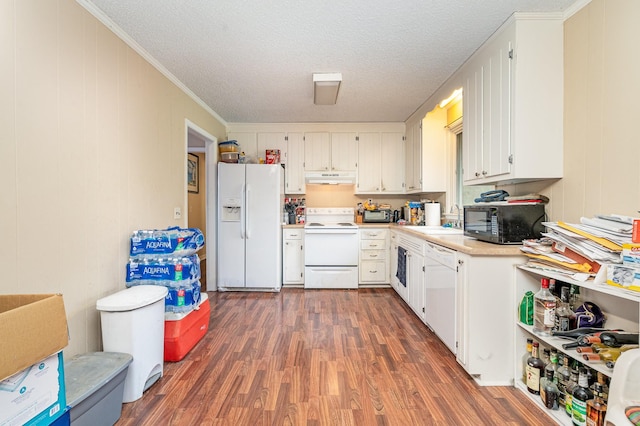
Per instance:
x=32, y=327
x=272, y=156
x=35, y=395
x=623, y=276
x=631, y=255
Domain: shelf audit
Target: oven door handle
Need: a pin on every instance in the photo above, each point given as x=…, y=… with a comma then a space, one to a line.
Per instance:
x=330, y=231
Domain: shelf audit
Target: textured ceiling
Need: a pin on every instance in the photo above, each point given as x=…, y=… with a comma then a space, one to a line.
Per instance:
x=252, y=61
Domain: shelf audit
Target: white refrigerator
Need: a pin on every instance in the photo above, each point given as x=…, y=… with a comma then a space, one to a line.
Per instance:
x=250, y=206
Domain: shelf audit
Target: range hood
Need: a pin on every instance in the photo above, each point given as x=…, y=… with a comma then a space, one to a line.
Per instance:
x=330, y=178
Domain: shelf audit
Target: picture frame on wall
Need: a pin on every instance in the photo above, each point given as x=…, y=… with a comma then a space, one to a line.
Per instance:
x=193, y=168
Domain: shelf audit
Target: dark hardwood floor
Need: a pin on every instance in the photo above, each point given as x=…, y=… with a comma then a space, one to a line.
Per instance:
x=322, y=357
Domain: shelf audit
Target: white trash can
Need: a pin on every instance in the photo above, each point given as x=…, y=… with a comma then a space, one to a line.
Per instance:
x=133, y=322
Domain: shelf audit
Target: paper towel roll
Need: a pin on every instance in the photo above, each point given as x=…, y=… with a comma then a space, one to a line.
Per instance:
x=432, y=214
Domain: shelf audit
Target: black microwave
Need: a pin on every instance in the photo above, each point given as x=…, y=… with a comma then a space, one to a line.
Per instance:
x=503, y=223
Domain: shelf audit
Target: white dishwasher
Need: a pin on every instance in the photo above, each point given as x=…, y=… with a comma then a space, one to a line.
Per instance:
x=440, y=292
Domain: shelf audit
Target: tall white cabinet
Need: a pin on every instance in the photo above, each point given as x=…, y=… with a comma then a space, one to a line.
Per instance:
x=512, y=101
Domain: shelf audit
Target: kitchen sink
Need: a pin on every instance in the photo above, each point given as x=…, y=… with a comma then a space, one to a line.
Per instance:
x=435, y=230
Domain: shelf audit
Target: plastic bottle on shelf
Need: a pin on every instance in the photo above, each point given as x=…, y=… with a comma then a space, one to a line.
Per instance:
x=544, y=309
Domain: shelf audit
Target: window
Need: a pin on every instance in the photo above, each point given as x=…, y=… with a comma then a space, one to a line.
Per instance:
x=463, y=194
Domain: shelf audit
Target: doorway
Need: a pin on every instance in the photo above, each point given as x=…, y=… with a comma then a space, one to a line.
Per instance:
x=201, y=198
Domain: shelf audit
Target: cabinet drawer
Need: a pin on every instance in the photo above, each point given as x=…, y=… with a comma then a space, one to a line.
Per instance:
x=292, y=234
x=373, y=244
x=373, y=234
x=373, y=271
x=373, y=255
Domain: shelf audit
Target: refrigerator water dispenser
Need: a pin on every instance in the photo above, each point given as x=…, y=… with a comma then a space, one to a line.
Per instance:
x=231, y=208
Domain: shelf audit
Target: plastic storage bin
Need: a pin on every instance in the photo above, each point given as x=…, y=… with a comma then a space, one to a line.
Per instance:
x=95, y=386
x=182, y=331
x=133, y=323
x=228, y=146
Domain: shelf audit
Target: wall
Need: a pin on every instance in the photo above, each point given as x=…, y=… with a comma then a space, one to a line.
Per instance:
x=601, y=148
x=92, y=147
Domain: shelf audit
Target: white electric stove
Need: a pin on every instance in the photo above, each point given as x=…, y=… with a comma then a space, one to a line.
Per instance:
x=331, y=248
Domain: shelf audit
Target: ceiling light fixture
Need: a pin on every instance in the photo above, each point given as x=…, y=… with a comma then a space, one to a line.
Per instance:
x=326, y=87
x=454, y=96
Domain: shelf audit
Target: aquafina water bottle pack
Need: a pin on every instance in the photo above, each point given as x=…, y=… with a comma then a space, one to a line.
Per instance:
x=167, y=271
x=168, y=257
x=174, y=241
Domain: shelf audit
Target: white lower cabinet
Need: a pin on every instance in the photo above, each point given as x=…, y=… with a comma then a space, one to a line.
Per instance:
x=293, y=256
x=374, y=257
x=622, y=310
x=485, y=313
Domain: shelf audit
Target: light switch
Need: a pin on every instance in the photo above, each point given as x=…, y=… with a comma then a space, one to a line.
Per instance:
x=177, y=213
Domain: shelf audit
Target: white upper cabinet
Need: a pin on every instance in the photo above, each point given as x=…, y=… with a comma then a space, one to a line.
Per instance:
x=326, y=151
x=344, y=151
x=392, y=158
x=317, y=151
x=272, y=140
x=369, y=158
x=380, y=163
x=412, y=160
x=294, y=168
x=512, y=101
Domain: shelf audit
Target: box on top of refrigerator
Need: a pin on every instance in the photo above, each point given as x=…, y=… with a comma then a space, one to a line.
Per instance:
x=272, y=156
x=32, y=327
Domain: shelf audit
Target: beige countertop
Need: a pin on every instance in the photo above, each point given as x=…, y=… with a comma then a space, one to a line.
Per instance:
x=459, y=243
x=464, y=244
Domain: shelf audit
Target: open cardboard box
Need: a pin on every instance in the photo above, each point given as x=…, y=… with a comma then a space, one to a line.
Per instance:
x=32, y=327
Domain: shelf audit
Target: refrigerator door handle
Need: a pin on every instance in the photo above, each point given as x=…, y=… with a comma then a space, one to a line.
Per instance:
x=246, y=214
x=243, y=213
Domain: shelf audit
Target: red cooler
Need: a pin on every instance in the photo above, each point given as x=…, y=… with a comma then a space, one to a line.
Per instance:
x=182, y=331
